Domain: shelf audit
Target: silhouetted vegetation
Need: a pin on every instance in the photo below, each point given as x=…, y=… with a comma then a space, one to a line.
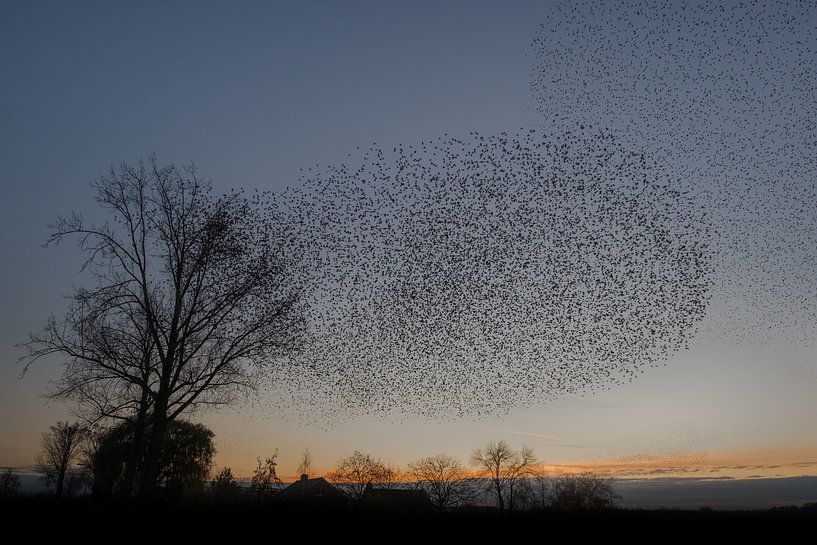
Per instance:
x=358, y=472
x=582, y=491
x=184, y=463
x=504, y=470
x=361, y=492
x=56, y=463
x=224, y=485
x=305, y=465
x=265, y=479
x=191, y=302
x=9, y=484
x=444, y=479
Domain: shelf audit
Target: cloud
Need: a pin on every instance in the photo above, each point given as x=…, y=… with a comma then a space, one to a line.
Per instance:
x=789, y=462
x=540, y=435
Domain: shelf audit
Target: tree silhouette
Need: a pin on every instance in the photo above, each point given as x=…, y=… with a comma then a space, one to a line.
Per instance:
x=192, y=300
x=582, y=491
x=185, y=459
x=358, y=472
x=265, y=478
x=540, y=488
x=9, y=485
x=305, y=465
x=444, y=479
x=59, y=450
x=504, y=467
x=224, y=484
x=107, y=461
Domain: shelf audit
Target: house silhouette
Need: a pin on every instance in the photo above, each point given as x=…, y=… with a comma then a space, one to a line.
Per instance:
x=306, y=490
x=319, y=491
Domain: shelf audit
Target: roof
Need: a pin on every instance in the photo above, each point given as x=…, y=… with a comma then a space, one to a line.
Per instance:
x=310, y=488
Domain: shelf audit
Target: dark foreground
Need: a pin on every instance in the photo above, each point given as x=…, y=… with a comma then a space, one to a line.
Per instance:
x=86, y=520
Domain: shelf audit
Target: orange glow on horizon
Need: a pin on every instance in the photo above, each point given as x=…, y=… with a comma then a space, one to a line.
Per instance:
x=766, y=463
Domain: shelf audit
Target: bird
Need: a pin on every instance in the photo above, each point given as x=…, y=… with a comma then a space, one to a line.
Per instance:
x=476, y=273
x=662, y=193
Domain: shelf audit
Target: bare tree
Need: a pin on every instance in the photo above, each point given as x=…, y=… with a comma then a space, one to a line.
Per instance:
x=520, y=468
x=582, y=491
x=524, y=497
x=102, y=392
x=265, y=478
x=192, y=299
x=358, y=472
x=60, y=448
x=504, y=467
x=224, y=484
x=305, y=465
x=444, y=479
x=540, y=489
x=9, y=485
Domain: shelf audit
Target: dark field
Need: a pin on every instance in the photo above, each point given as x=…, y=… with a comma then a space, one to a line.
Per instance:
x=91, y=521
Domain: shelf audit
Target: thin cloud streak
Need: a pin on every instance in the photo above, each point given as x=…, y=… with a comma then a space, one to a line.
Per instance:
x=531, y=434
x=790, y=462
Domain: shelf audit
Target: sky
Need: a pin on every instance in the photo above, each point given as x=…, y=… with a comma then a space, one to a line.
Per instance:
x=252, y=92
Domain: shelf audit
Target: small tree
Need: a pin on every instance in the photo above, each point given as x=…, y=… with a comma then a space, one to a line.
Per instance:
x=521, y=467
x=582, y=491
x=9, y=485
x=224, y=484
x=59, y=451
x=107, y=455
x=540, y=490
x=358, y=472
x=444, y=479
x=265, y=477
x=186, y=458
x=504, y=467
x=305, y=465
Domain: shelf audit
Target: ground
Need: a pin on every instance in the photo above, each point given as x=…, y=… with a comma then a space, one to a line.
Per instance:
x=85, y=520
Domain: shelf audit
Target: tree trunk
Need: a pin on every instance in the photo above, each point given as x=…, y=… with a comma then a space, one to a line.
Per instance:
x=60, y=482
x=151, y=466
x=129, y=479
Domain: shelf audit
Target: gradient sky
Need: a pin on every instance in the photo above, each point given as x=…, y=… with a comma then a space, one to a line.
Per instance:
x=252, y=92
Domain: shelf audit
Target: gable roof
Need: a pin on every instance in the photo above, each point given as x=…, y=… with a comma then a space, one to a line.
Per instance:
x=310, y=488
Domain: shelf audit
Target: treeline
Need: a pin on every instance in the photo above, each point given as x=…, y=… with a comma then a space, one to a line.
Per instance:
x=104, y=464
x=108, y=463
x=496, y=475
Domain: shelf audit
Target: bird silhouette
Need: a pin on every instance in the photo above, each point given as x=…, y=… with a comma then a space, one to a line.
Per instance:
x=664, y=192
x=474, y=274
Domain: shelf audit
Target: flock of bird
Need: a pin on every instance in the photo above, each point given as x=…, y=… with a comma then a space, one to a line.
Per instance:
x=471, y=275
x=667, y=191
x=725, y=95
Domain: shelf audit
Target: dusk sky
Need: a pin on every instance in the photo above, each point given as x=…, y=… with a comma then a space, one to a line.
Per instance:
x=254, y=92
